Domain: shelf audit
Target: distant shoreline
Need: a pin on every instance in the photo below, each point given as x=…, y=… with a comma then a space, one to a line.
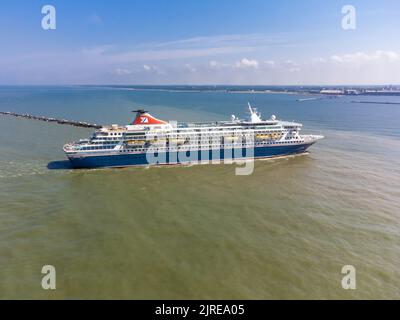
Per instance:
x=319, y=91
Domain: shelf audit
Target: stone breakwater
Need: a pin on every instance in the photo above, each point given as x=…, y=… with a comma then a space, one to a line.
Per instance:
x=46, y=119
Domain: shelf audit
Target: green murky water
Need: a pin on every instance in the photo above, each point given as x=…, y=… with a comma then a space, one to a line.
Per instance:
x=199, y=232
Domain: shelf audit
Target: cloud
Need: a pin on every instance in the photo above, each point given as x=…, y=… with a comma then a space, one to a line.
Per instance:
x=376, y=67
x=213, y=64
x=269, y=63
x=218, y=65
x=246, y=63
x=97, y=50
x=100, y=61
x=362, y=57
x=190, y=68
x=225, y=59
x=121, y=72
x=361, y=67
x=150, y=68
x=158, y=55
x=243, y=63
x=195, y=47
x=230, y=40
x=318, y=60
x=291, y=66
x=153, y=69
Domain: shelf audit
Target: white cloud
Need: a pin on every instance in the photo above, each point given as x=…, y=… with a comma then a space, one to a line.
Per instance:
x=153, y=69
x=318, y=60
x=350, y=68
x=146, y=67
x=246, y=63
x=97, y=50
x=218, y=65
x=269, y=63
x=241, y=64
x=190, y=68
x=221, y=60
x=196, y=47
x=213, y=64
x=170, y=54
x=121, y=72
x=230, y=40
x=291, y=66
x=362, y=57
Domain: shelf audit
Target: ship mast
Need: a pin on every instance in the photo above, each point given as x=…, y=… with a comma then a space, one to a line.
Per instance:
x=254, y=116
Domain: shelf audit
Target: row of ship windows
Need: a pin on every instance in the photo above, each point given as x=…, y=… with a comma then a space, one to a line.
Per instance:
x=110, y=134
x=105, y=138
x=104, y=142
x=98, y=148
x=161, y=136
x=260, y=129
x=114, y=142
x=222, y=132
x=201, y=147
x=182, y=133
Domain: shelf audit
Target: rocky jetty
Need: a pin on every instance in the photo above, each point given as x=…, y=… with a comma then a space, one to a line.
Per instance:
x=46, y=119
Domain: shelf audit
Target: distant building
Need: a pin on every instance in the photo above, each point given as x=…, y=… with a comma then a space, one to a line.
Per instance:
x=331, y=91
x=351, y=92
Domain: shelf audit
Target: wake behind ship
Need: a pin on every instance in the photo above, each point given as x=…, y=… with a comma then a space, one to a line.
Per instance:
x=150, y=141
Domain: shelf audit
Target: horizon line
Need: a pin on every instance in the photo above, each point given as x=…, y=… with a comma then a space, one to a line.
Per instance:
x=198, y=85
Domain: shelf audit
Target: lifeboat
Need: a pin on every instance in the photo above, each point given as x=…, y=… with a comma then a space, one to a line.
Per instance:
x=176, y=141
x=135, y=142
x=230, y=138
x=277, y=135
x=159, y=142
x=263, y=136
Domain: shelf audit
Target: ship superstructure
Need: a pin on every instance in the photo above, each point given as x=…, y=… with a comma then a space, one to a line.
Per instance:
x=150, y=141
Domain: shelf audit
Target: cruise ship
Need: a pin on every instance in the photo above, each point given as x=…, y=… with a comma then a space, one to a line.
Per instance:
x=150, y=141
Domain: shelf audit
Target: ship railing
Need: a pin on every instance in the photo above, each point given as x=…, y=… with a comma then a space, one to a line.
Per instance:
x=69, y=147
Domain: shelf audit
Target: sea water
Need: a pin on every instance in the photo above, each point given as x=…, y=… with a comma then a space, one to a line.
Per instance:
x=199, y=232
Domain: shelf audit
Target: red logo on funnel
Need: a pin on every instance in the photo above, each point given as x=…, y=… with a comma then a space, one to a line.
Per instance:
x=146, y=118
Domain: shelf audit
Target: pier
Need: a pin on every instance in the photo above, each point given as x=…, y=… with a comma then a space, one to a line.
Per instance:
x=375, y=102
x=46, y=119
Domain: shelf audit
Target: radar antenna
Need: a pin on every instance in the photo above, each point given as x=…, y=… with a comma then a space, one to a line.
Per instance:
x=140, y=111
x=250, y=108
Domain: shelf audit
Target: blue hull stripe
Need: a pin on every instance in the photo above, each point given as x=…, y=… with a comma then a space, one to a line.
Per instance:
x=124, y=160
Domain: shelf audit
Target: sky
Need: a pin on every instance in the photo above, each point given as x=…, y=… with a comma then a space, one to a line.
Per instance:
x=238, y=42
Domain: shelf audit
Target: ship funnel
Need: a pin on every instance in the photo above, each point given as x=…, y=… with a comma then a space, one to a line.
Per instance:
x=145, y=118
